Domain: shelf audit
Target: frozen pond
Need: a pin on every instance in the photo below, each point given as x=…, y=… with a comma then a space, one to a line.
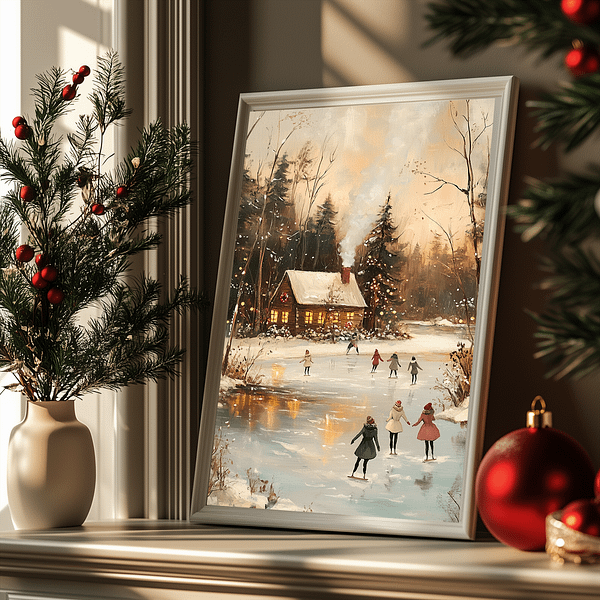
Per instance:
x=295, y=433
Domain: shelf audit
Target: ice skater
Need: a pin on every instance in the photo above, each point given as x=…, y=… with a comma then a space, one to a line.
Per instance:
x=366, y=449
x=429, y=431
x=394, y=425
x=413, y=367
x=394, y=364
x=353, y=344
x=307, y=360
x=375, y=360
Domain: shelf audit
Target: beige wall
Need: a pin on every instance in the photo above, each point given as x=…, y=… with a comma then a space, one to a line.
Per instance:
x=261, y=45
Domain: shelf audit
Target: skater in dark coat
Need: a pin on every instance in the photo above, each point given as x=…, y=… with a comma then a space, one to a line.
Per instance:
x=413, y=367
x=366, y=449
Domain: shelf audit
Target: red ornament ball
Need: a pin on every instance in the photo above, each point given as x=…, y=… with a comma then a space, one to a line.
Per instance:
x=84, y=70
x=55, y=295
x=69, y=92
x=38, y=281
x=582, y=515
x=583, y=61
x=49, y=273
x=77, y=78
x=597, y=485
x=583, y=12
x=41, y=260
x=122, y=191
x=98, y=209
x=526, y=475
x=22, y=131
x=24, y=253
x=27, y=193
x=18, y=121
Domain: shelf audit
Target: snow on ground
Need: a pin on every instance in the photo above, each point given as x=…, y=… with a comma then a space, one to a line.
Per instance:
x=298, y=438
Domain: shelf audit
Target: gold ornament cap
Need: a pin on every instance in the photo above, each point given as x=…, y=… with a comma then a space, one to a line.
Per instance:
x=539, y=417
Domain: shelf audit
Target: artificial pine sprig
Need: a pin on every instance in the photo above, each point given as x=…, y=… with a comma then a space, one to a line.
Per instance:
x=54, y=350
x=571, y=115
x=474, y=25
x=560, y=211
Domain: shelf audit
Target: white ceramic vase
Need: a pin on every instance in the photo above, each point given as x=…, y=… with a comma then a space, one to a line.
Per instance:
x=51, y=468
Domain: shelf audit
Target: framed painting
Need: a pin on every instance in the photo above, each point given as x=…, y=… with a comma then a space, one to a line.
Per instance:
x=352, y=330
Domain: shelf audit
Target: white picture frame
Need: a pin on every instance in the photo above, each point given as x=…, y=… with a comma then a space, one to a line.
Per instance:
x=424, y=166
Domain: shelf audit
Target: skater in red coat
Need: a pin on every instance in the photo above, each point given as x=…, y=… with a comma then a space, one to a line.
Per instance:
x=375, y=360
x=429, y=431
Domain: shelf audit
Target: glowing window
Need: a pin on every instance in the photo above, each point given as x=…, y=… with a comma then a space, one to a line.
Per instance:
x=321, y=318
x=285, y=317
x=308, y=317
x=274, y=316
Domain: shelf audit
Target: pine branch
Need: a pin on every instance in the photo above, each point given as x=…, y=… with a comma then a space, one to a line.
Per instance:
x=571, y=115
x=559, y=210
x=569, y=341
x=474, y=25
x=108, y=97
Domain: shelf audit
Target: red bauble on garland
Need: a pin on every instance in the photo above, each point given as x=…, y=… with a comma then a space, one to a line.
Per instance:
x=597, y=484
x=84, y=70
x=18, y=121
x=583, y=12
x=98, y=209
x=583, y=60
x=528, y=474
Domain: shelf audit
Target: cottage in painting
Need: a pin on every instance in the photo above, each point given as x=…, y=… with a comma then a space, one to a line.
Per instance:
x=306, y=300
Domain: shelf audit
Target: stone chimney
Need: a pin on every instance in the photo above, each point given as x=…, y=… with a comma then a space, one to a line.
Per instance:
x=345, y=275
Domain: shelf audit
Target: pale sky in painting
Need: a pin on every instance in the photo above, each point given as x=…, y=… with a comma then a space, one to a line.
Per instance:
x=377, y=147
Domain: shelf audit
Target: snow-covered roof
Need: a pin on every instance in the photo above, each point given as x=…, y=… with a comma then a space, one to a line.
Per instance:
x=319, y=288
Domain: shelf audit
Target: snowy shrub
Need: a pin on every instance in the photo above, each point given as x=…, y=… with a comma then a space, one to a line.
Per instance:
x=219, y=469
x=456, y=384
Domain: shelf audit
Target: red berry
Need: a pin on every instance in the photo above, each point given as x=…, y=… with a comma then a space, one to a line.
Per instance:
x=582, y=515
x=41, y=260
x=581, y=11
x=55, y=295
x=49, y=273
x=122, y=191
x=22, y=131
x=18, y=121
x=38, y=281
x=24, y=253
x=69, y=92
x=78, y=78
x=84, y=70
x=98, y=209
x=27, y=193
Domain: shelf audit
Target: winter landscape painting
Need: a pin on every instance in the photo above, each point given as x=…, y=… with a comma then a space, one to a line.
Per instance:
x=353, y=323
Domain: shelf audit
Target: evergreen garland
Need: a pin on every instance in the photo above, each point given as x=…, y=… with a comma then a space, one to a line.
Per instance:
x=564, y=212
x=84, y=224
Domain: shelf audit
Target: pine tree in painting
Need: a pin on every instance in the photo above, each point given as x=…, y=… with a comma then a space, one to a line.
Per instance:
x=380, y=260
